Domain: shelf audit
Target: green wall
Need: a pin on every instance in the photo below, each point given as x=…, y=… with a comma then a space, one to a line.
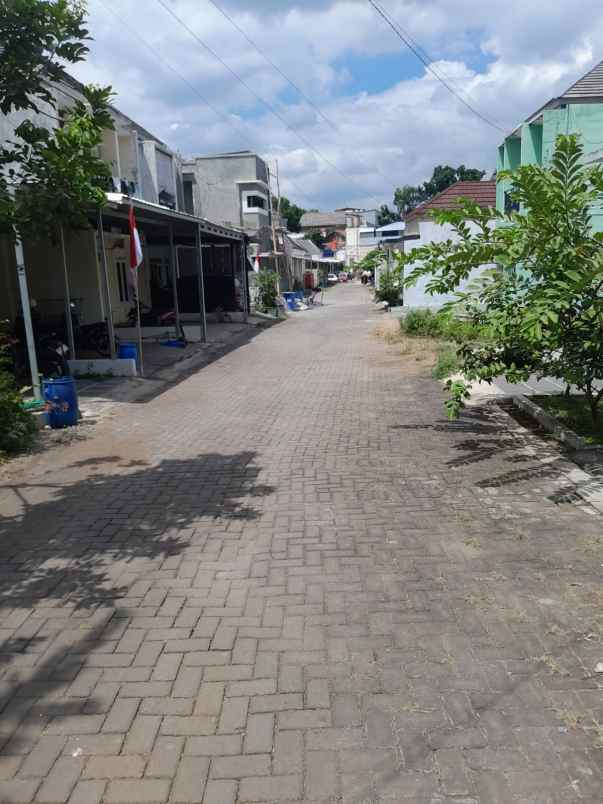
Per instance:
x=537, y=143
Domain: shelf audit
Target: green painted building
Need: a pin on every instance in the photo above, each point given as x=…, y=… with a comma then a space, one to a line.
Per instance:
x=578, y=111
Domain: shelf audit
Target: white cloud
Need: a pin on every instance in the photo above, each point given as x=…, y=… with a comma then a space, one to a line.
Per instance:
x=507, y=60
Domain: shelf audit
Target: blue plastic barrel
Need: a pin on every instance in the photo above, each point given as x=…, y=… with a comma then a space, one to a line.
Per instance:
x=128, y=351
x=289, y=298
x=61, y=402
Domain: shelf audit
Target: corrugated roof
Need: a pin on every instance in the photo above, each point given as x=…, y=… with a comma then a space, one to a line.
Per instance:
x=482, y=192
x=323, y=219
x=589, y=86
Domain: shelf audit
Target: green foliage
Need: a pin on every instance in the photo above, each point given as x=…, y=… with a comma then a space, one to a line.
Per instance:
x=267, y=289
x=371, y=260
x=291, y=213
x=425, y=323
x=542, y=305
x=442, y=324
x=386, y=215
x=17, y=426
x=52, y=174
x=38, y=39
x=317, y=239
x=389, y=288
x=408, y=197
x=459, y=394
x=447, y=362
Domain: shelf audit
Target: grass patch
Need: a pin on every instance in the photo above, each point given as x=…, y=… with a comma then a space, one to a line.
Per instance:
x=574, y=413
x=447, y=362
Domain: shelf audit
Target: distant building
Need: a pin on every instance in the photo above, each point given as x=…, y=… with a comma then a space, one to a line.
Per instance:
x=231, y=189
x=420, y=223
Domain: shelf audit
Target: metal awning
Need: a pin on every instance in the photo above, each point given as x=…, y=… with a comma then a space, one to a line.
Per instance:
x=148, y=212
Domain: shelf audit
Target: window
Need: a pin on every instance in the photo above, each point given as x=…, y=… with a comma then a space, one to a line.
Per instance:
x=510, y=204
x=122, y=280
x=256, y=201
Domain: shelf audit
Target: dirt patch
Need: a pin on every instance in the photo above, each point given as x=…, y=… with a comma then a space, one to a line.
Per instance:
x=418, y=355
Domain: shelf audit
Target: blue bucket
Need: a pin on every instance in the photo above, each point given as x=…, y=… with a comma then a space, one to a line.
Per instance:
x=128, y=351
x=61, y=402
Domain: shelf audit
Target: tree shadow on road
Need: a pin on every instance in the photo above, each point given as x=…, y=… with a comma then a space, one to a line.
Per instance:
x=61, y=539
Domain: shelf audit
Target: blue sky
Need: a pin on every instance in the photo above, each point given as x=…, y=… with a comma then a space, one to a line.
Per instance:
x=394, y=121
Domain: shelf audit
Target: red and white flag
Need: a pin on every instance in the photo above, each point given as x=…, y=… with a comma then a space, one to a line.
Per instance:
x=135, y=248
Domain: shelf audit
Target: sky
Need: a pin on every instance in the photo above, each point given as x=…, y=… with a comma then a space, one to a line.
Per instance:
x=377, y=118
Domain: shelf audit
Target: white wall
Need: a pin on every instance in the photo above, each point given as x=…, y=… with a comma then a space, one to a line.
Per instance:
x=431, y=232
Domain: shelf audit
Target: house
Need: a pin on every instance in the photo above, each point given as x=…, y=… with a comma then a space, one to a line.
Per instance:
x=191, y=266
x=335, y=227
x=578, y=110
x=421, y=229
x=231, y=189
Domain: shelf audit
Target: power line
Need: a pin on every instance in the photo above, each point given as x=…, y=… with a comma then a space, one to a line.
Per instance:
x=308, y=100
x=194, y=89
x=301, y=93
x=265, y=103
x=417, y=51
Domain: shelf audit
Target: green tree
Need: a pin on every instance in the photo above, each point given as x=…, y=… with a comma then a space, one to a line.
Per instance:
x=408, y=197
x=317, y=239
x=291, y=213
x=542, y=305
x=386, y=215
x=38, y=39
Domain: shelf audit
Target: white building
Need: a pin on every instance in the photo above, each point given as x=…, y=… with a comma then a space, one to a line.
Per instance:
x=421, y=224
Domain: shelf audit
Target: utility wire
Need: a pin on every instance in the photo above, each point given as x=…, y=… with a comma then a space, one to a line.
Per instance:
x=308, y=100
x=227, y=119
x=414, y=48
x=265, y=103
x=300, y=92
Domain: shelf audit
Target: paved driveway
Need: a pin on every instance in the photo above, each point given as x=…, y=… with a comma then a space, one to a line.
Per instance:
x=290, y=578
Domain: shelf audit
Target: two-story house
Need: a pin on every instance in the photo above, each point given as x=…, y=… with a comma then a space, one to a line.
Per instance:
x=578, y=110
x=231, y=189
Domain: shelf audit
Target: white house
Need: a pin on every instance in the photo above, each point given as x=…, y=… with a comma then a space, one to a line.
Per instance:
x=421, y=224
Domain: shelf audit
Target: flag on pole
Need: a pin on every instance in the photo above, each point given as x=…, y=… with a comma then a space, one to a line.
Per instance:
x=135, y=249
x=256, y=265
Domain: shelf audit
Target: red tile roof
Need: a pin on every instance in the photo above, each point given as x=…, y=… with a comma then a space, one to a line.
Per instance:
x=482, y=192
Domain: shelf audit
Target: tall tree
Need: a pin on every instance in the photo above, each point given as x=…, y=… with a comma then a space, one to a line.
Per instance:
x=407, y=198
x=386, y=215
x=291, y=213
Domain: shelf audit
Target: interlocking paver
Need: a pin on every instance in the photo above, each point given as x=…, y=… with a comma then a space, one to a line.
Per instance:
x=290, y=579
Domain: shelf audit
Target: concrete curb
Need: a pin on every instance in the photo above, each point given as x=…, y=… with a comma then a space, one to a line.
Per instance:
x=551, y=425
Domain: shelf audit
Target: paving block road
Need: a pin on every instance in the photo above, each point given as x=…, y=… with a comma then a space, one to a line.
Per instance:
x=289, y=578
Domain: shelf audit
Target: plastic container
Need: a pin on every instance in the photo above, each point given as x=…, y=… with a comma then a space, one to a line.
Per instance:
x=128, y=351
x=61, y=402
x=290, y=300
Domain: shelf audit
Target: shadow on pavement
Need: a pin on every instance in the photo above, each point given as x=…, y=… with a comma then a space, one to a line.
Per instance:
x=61, y=541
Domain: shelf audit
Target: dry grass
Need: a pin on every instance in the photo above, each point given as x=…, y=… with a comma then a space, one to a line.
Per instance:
x=418, y=354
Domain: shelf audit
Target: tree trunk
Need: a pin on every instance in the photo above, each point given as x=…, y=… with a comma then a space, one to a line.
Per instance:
x=593, y=402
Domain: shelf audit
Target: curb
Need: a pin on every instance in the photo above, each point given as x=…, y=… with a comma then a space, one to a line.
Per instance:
x=551, y=425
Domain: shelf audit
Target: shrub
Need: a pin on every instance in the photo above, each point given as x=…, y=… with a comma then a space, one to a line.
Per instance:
x=389, y=289
x=17, y=426
x=267, y=292
x=447, y=362
x=425, y=323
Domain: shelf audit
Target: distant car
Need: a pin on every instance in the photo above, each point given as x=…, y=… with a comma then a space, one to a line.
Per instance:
x=343, y=277
x=332, y=279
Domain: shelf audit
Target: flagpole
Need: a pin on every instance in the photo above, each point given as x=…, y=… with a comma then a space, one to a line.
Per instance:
x=139, y=327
